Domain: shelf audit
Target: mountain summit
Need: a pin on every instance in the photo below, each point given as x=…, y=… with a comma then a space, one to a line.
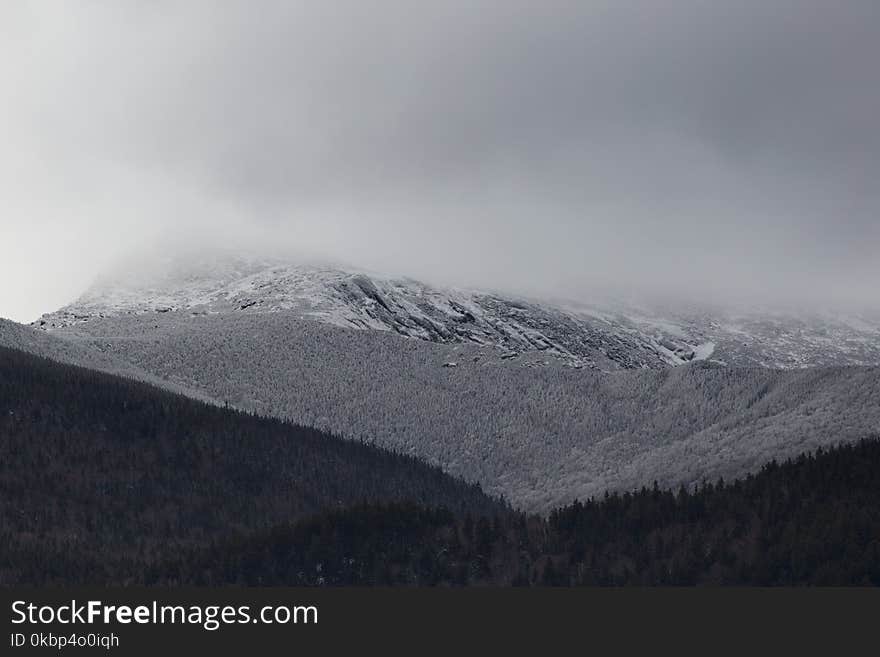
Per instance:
x=607, y=336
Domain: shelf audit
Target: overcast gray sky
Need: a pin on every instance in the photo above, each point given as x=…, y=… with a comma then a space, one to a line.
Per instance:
x=727, y=148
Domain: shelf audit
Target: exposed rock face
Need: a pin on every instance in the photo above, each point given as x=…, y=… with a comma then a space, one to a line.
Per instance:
x=609, y=337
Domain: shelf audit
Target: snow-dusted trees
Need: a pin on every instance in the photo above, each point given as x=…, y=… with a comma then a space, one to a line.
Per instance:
x=540, y=434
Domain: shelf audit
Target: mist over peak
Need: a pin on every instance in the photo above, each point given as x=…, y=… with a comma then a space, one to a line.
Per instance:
x=726, y=152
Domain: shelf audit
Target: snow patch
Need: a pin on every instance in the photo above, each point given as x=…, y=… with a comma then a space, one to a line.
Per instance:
x=703, y=351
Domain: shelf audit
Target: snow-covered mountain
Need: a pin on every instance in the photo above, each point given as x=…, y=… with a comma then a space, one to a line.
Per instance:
x=606, y=336
x=484, y=384
x=540, y=435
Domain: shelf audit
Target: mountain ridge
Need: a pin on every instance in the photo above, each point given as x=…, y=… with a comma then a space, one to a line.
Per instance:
x=606, y=337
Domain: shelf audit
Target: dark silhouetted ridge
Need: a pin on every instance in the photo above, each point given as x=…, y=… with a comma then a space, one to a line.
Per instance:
x=102, y=475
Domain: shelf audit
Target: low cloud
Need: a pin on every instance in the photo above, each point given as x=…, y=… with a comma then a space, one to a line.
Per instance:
x=726, y=150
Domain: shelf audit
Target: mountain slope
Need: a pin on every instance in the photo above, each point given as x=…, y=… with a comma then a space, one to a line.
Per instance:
x=54, y=347
x=541, y=435
x=99, y=473
x=607, y=336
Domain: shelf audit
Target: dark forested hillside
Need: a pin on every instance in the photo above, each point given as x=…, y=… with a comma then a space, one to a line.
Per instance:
x=100, y=475
x=813, y=520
